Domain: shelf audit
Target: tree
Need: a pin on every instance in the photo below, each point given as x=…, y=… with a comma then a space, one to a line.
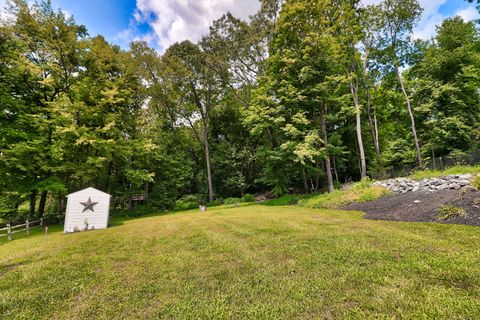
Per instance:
x=369, y=76
x=347, y=31
x=47, y=48
x=446, y=81
x=397, y=18
x=201, y=94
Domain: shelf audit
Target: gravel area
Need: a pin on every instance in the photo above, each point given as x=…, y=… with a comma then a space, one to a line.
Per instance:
x=423, y=206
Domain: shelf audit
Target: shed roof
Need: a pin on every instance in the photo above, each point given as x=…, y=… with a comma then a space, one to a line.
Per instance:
x=91, y=191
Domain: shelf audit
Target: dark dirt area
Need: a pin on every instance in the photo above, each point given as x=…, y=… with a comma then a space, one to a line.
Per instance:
x=423, y=206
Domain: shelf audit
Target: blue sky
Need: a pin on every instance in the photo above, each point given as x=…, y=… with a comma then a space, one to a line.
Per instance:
x=163, y=22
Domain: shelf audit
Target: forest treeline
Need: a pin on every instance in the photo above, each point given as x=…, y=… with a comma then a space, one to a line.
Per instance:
x=304, y=95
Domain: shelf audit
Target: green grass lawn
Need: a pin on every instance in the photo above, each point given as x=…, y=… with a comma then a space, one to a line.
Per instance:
x=256, y=262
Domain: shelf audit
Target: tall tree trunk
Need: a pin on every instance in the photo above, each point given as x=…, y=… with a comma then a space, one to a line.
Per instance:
x=328, y=167
x=207, y=160
x=358, y=127
x=335, y=168
x=60, y=204
x=434, y=167
x=372, y=120
x=305, y=182
x=412, y=119
x=317, y=177
x=41, y=204
x=33, y=202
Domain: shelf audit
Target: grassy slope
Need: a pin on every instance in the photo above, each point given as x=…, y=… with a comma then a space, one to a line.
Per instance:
x=247, y=262
x=362, y=191
x=427, y=174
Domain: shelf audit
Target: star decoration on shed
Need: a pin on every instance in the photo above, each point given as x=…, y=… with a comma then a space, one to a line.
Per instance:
x=88, y=205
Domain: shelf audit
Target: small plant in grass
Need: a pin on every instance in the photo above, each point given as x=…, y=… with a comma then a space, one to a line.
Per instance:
x=476, y=182
x=450, y=211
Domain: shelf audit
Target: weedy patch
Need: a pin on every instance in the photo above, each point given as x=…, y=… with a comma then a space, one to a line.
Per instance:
x=450, y=211
x=428, y=174
x=476, y=182
x=362, y=191
x=476, y=201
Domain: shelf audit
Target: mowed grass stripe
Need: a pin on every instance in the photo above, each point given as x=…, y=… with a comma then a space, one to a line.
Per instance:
x=250, y=262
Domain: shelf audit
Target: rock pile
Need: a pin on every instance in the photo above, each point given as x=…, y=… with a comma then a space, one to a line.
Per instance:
x=403, y=185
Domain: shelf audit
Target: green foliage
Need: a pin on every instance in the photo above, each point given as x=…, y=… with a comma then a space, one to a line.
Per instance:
x=264, y=104
x=449, y=211
x=138, y=211
x=447, y=87
x=214, y=203
x=248, y=198
x=232, y=201
x=287, y=200
x=186, y=203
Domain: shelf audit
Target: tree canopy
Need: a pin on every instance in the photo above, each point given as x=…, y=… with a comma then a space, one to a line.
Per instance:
x=302, y=96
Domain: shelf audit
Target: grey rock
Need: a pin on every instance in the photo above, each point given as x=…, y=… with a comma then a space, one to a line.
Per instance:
x=466, y=176
x=455, y=186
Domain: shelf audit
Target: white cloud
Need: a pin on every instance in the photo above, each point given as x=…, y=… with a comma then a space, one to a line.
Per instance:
x=177, y=20
x=468, y=14
x=431, y=17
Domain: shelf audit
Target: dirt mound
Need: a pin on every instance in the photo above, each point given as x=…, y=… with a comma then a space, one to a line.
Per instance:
x=423, y=206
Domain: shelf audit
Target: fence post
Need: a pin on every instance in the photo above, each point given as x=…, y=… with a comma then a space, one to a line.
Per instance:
x=41, y=222
x=9, y=231
x=27, y=227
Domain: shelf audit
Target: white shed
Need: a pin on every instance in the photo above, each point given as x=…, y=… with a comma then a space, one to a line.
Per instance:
x=87, y=209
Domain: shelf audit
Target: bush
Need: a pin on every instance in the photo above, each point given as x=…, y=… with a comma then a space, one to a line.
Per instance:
x=248, y=198
x=215, y=203
x=186, y=203
x=232, y=200
x=138, y=211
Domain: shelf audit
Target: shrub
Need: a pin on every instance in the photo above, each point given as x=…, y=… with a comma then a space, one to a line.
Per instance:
x=186, y=203
x=248, y=198
x=138, y=211
x=215, y=203
x=476, y=182
x=363, y=184
x=232, y=201
x=450, y=211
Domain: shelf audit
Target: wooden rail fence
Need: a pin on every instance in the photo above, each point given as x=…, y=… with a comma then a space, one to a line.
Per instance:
x=11, y=229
